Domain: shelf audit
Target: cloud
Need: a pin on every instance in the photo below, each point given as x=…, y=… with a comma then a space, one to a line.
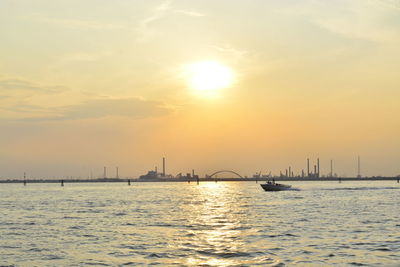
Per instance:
x=190, y=13
x=21, y=98
x=145, y=32
x=133, y=108
x=230, y=50
x=8, y=86
x=26, y=101
x=360, y=20
x=15, y=92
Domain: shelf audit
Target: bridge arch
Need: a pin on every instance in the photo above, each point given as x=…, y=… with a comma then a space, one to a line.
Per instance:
x=215, y=173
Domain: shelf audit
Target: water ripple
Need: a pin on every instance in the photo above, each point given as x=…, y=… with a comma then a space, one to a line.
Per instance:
x=212, y=224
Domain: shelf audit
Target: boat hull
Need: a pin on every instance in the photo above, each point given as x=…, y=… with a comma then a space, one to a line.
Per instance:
x=275, y=187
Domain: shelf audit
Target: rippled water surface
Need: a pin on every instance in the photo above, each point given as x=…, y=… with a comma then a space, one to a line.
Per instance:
x=211, y=224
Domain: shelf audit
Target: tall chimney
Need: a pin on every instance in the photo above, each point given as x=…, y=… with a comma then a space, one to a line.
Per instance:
x=116, y=173
x=318, y=167
x=163, y=167
x=308, y=167
x=290, y=172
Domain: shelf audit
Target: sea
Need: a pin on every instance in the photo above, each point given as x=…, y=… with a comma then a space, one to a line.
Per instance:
x=211, y=224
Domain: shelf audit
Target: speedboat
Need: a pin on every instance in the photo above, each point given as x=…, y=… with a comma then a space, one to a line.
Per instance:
x=275, y=187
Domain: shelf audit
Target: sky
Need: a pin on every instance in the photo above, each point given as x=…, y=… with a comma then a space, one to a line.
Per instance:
x=87, y=84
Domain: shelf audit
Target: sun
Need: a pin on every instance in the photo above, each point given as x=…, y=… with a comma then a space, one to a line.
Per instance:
x=209, y=76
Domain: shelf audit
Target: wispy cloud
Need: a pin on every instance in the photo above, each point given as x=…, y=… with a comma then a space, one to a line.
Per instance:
x=19, y=98
x=23, y=100
x=230, y=50
x=132, y=108
x=361, y=20
x=190, y=13
x=145, y=32
x=9, y=87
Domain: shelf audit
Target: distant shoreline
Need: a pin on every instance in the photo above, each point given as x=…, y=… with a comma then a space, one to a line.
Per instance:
x=136, y=180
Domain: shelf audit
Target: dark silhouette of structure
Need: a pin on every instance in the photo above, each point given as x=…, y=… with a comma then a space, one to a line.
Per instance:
x=215, y=173
x=163, y=167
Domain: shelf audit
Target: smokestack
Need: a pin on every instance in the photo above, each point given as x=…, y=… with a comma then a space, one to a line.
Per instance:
x=290, y=172
x=116, y=172
x=286, y=173
x=318, y=167
x=308, y=167
x=359, y=168
x=163, y=166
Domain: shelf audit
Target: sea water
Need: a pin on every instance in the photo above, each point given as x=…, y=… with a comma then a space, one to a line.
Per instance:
x=211, y=224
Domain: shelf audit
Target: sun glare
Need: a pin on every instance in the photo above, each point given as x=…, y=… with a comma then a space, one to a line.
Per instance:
x=209, y=76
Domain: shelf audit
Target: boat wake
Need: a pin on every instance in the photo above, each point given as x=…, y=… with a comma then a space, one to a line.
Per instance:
x=361, y=188
x=293, y=189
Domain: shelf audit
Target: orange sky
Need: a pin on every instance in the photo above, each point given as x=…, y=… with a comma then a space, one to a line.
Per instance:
x=87, y=84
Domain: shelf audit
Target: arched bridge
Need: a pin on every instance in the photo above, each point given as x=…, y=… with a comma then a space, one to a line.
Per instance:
x=215, y=173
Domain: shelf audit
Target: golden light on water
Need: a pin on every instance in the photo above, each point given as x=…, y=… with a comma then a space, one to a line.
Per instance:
x=208, y=77
x=217, y=221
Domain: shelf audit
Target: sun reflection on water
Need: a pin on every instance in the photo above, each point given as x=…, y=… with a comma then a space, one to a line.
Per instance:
x=216, y=225
x=211, y=224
